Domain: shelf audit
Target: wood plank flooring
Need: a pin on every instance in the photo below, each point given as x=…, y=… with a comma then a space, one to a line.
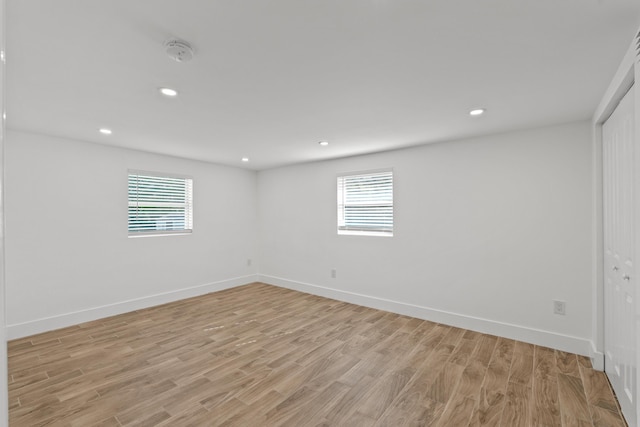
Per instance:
x=258, y=355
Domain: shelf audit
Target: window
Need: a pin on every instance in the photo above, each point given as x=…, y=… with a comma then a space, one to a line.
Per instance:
x=365, y=203
x=159, y=204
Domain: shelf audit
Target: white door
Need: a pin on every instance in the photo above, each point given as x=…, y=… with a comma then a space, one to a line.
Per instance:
x=619, y=279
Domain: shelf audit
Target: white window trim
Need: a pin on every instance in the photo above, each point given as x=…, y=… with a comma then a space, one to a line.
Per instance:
x=160, y=233
x=365, y=233
x=369, y=233
x=164, y=233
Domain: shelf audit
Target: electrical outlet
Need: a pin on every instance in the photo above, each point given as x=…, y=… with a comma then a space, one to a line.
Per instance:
x=559, y=307
x=333, y=274
x=248, y=262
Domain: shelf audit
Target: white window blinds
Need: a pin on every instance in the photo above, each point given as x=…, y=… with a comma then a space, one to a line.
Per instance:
x=159, y=204
x=365, y=203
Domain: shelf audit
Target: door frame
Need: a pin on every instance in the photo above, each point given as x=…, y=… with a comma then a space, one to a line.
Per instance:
x=627, y=74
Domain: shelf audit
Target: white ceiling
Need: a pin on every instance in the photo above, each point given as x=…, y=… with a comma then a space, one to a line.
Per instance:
x=271, y=78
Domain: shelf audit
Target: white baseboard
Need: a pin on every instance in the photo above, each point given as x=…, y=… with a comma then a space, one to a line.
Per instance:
x=597, y=357
x=521, y=333
x=517, y=332
x=37, y=326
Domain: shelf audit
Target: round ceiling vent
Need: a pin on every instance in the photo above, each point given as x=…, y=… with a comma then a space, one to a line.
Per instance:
x=179, y=50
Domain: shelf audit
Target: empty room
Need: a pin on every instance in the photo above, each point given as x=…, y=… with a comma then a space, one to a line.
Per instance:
x=319, y=213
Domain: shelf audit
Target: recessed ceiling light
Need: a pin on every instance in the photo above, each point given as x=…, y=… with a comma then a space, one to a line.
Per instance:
x=477, y=112
x=245, y=159
x=105, y=131
x=167, y=91
x=324, y=143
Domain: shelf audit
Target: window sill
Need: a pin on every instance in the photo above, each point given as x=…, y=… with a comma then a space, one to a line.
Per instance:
x=365, y=233
x=137, y=235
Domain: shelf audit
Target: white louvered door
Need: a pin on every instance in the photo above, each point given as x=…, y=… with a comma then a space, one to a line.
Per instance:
x=618, y=144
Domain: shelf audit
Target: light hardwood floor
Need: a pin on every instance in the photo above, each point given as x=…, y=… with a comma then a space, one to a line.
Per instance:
x=258, y=355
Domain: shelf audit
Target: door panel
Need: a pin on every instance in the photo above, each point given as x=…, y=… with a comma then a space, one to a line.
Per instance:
x=619, y=280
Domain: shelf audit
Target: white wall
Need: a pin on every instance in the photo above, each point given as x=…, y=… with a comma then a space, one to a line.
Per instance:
x=68, y=255
x=488, y=231
x=4, y=399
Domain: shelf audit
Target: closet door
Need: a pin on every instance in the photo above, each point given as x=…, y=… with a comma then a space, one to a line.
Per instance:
x=619, y=279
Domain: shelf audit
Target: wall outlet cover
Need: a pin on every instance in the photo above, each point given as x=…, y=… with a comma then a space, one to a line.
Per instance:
x=559, y=307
